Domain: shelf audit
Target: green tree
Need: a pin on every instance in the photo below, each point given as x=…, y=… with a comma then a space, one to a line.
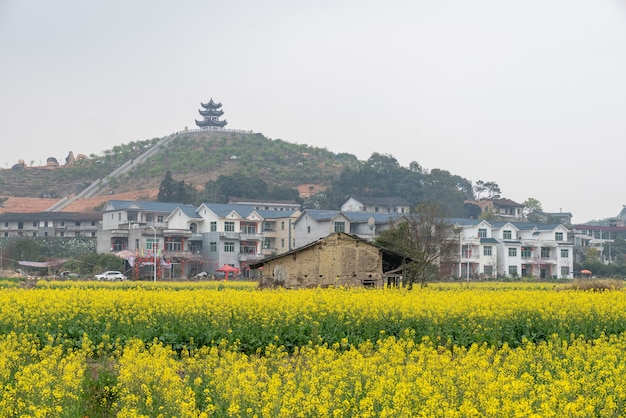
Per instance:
x=487, y=189
x=167, y=188
x=424, y=238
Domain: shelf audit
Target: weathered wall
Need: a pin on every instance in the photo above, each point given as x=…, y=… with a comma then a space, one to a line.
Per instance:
x=338, y=260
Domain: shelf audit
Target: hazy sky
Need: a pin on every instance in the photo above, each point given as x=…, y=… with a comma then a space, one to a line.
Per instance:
x=529, y=94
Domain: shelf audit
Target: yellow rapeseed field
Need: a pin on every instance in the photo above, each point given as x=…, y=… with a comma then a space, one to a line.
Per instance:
x=200, y=350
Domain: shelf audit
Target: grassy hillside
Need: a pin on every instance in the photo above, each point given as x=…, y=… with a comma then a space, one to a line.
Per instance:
x=195, y=157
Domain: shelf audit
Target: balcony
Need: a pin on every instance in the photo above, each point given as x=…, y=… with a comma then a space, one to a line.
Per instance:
x=119, y=233
x=253, y=236
x=250, y=257
x=189, y=255
x=177, y=233
x=230, y=235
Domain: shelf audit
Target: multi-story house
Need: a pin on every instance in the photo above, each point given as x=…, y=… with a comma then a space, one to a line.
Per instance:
x=502, y=208
x=376, y=205
x=137, y=225
x=598, y=237
x=513, y=249
x=313, y=225
x=191, y=239
x=50, y=224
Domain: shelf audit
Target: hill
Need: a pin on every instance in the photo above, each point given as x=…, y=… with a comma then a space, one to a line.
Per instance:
x=196, y=157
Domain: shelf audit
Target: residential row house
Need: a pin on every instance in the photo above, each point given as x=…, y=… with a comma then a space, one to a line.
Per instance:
x=50, y=224
x=188, y=239
x=511, y=249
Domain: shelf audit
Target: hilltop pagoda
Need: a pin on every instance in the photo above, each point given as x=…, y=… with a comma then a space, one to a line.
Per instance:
x=211, y=112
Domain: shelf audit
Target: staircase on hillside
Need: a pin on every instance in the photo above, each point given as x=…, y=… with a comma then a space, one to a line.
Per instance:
x=97, y=186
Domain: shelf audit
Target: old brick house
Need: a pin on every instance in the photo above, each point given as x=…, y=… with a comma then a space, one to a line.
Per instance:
x=337, y=260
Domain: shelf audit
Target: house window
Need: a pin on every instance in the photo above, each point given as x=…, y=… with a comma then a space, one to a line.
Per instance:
x=160, y=219
x=229, y=247
x=488, y=270
x=558, y=236
x=35, y=234
x=213, y=227
x=45, y=224
x=512, y=252
x=213, y=247
x=174, y=244
x=247, y=248
x=119, y=216
x=62, y=223
x=564, y=271
x=282, y=243
x=487, y=250
x=564, y=253
x=545, y=252
x=149, y=217
x=526, y=252
x=93, y=223
x=118, y=245
x=229, y=226
x=62, y=234
x=266, y=244
x=248, y=228
x=34, y=223
x=282, y=225
x=340, y=227
x=193, y=227
x=6, y=224
x=513, y=271
x=482, y=233
x=151, y=244
x=308, y=229
x=506, y=234
x=77, y=223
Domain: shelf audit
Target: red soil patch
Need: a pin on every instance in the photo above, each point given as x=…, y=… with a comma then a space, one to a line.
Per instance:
x=33, y=204
x=26, y=204
x=90, y=204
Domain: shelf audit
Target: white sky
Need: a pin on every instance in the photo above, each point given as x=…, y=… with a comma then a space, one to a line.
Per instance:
x=529, y=94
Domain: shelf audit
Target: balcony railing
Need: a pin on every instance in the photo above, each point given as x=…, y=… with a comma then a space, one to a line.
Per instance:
x=251, y=236
x=250, y=257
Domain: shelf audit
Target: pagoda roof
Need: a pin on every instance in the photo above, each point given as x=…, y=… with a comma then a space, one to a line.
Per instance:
x=209, y=122
x=211, y=105
x=211, y=112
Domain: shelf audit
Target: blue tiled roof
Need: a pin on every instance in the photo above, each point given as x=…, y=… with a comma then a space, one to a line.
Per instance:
x=377, y=216
x=223, y=209
x=190, y=211
x=147, y=205
x=321, y=215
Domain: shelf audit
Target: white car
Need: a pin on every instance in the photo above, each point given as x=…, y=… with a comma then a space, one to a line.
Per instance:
x=110, y=275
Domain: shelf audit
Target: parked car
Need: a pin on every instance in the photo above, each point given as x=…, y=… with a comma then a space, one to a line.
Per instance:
x=110, y=275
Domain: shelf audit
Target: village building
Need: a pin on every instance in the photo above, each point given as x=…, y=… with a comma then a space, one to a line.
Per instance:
x=504, y=208
x=376, y=205
x=511, y=249
x=312, y=225
x=337, y=260
x=50, y=224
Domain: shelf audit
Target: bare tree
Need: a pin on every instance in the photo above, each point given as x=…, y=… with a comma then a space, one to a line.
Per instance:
x=424, y=238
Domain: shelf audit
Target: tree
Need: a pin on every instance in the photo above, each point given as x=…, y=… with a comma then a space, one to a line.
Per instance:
x=490, y=189
x=167, y=188
x=425, y=238
x=171, y=190
x=532, y=205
